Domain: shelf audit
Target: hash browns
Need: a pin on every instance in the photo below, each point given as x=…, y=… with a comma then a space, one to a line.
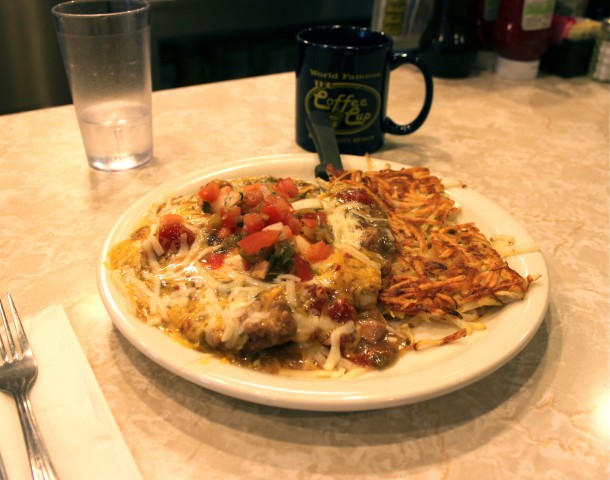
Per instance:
x=441, y=271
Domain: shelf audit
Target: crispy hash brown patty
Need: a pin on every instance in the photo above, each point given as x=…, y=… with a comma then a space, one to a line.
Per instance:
x=442, y=271
x=323, y=280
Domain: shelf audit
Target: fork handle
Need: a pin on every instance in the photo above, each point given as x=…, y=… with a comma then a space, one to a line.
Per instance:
x=40, y=462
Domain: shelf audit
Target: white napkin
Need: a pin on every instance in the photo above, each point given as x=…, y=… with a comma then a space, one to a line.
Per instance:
x=80, y=432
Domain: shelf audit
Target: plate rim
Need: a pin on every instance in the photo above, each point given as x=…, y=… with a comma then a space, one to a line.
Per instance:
x=263, y=388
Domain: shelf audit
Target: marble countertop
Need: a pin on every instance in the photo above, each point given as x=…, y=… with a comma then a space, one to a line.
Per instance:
x=539, y=149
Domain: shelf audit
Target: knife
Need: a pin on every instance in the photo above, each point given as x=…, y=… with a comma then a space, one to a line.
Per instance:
x=321, y=130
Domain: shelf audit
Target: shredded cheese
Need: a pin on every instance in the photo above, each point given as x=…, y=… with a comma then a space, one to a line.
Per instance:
x=334, y=355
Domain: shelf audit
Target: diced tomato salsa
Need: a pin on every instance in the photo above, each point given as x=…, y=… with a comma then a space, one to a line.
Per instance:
x=230, y=217
x=286, y=187
x=259, y=220
x=210, y=192
x=253, y=222
x=254, y=243
x=276, y=208
x=214, y=260
x=253, y=197
x=318, y=251
x=302, y=268
x=171, y=232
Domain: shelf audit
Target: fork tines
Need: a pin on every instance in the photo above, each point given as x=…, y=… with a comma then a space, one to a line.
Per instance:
x=18, y=329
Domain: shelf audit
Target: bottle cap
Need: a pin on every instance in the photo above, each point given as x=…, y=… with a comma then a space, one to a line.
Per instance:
x=517, y=70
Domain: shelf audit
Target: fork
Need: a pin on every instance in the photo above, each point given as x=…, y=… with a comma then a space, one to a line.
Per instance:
x=3, y=474
x=18, y=372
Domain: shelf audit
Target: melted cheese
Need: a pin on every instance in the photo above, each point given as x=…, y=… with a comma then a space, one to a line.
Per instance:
x=346, y=226
x=181, y=294
x=335, y=345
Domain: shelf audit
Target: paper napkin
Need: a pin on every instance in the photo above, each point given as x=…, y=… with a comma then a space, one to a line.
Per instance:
x=80, y=432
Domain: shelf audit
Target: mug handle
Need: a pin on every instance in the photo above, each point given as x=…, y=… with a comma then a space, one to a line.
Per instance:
x=402, y=58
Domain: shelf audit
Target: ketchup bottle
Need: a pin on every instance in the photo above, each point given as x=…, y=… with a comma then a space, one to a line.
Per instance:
x=521, y=35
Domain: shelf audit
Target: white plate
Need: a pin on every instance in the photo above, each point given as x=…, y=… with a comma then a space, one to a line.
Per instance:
x=416, y=376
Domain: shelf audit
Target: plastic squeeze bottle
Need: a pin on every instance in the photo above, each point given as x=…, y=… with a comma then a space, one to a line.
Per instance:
x=521, y=35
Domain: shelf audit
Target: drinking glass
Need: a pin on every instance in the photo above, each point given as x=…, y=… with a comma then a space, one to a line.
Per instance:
x=105, y=46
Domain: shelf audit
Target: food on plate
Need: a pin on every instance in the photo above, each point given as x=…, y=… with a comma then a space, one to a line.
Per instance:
x=319, y=279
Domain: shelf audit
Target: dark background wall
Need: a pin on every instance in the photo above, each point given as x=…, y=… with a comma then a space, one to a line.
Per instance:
x=193, y=41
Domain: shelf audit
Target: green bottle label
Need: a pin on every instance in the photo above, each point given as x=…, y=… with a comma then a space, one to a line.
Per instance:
x=490, y=10
x=537, y=14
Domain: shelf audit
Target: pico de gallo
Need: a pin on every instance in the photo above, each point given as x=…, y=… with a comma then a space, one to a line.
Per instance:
x=260, y=220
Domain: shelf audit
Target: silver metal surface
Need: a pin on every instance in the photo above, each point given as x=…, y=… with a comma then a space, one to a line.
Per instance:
x=18, y=371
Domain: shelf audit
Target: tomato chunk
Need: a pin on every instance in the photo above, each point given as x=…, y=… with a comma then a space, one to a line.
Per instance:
x=318, y=251
x=230, y=216
x=253, y=196
x=309, y=222
x=312, y=220
x=252, y=244
x=302, y=269
x=294, y=223
x=224, y=232
x=276, y=208
x=286, y=188
x=209, y=192
x=253, y=222
x=171, y=230
x=214, y=260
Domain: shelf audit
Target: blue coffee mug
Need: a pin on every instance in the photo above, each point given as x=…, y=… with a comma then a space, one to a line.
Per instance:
x=344, y=71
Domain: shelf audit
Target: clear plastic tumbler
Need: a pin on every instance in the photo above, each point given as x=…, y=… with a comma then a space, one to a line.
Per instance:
x=106, y=51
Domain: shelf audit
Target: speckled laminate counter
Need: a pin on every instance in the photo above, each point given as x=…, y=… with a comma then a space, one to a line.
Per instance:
x=539, y=149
